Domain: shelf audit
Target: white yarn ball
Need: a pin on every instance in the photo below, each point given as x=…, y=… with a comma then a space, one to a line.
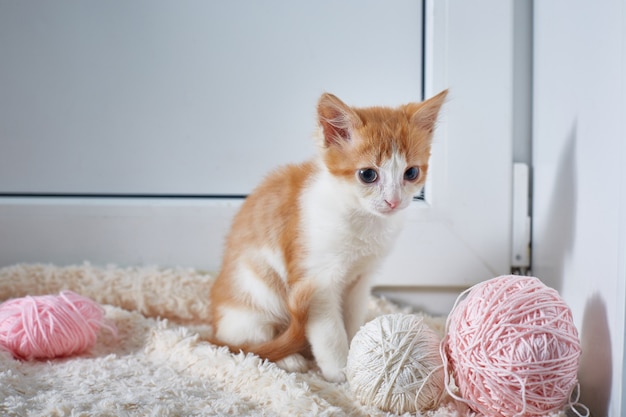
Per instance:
x=395, y=365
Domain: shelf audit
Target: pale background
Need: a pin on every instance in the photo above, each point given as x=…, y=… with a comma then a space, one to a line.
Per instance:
x=153, y=107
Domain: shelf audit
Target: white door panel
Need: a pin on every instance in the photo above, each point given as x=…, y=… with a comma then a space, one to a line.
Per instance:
x=195, y=145
x=122, y=231
x=186, y=97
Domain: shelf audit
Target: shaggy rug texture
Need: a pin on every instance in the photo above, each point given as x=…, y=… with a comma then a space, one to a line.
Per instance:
x=159, y=364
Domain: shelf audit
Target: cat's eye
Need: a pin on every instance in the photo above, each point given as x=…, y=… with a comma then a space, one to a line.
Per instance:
x=368, y=175
x=411, y=174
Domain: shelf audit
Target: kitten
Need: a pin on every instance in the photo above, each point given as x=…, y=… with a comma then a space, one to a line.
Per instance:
x=295, y=274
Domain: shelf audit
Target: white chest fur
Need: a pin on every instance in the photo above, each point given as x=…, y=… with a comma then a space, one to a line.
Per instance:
x=343, y=239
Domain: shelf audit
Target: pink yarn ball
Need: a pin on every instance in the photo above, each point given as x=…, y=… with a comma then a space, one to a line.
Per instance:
x=50, y=326
x=512, y=347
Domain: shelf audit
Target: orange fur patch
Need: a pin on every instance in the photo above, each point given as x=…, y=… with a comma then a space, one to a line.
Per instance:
x=269, y=217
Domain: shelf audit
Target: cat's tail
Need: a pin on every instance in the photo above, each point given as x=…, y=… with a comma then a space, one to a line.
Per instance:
x=293, y=339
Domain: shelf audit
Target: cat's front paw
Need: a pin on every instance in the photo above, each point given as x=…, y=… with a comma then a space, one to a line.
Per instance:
x=334, y=374
x=332, y=363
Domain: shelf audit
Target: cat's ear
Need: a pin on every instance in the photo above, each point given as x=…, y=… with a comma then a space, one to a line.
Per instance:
x=337, y=119
x=424, y=115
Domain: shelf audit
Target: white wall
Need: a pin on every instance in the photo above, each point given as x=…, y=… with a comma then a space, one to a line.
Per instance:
x=579, y=159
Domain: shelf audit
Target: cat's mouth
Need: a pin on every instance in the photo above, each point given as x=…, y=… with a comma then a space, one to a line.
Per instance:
x=387, y=210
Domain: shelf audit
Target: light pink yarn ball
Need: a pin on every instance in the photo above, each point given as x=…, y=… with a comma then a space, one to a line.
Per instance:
x=512, y=347
x=50, y=326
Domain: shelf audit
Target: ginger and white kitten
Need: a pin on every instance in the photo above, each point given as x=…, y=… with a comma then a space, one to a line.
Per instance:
x=295, y=274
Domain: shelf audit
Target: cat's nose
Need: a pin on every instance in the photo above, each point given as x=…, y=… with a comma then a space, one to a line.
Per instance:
x=392, y=203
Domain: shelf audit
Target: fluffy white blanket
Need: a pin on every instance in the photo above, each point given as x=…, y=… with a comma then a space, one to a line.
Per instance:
x=159, y=365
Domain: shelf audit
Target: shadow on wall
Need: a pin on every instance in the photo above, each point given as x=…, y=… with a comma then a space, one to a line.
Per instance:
x=557, y=240
x=595, y=370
